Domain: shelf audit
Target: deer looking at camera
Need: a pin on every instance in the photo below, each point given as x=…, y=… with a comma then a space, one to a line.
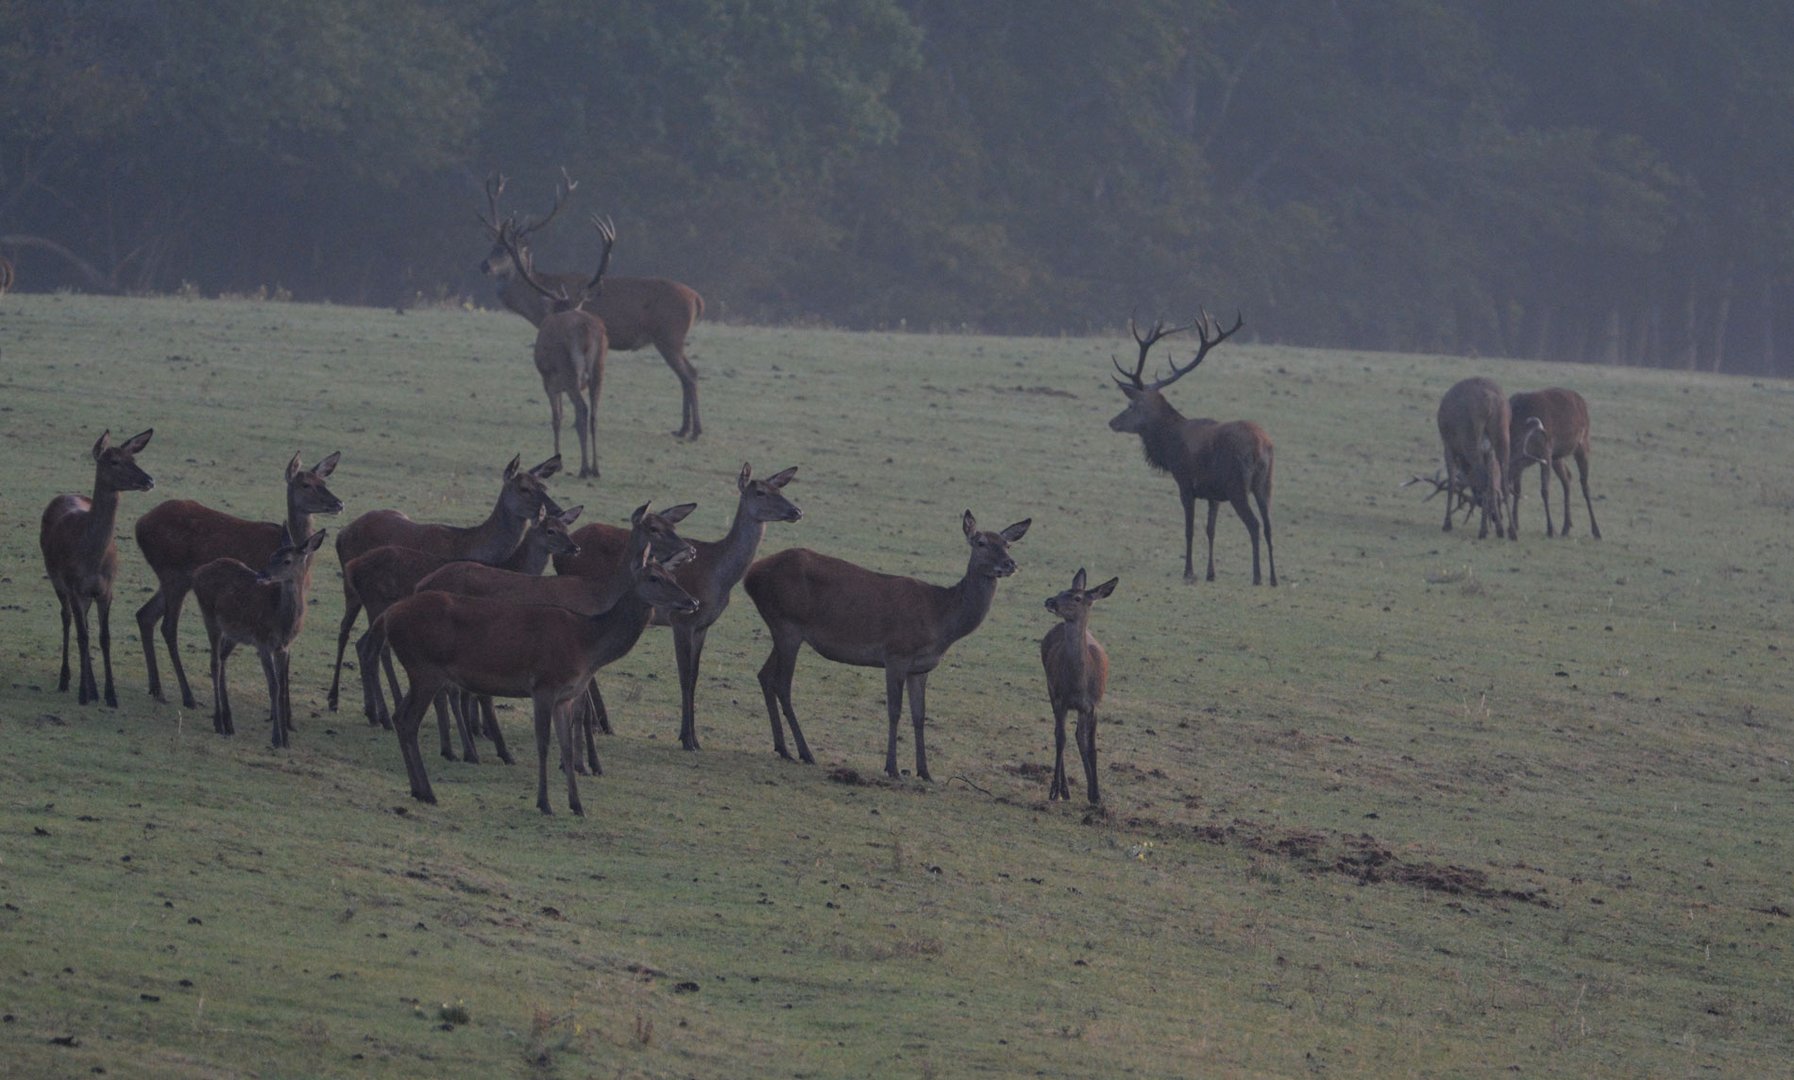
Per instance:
x=260, y=608
x=1077, y=672
x=636, y=311
x=1545, y=427
x=1473, y=427
x=81, y=557
x=1210, y=460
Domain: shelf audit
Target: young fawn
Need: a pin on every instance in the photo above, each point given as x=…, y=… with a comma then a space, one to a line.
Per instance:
x=1077, y=671
x=265, y=609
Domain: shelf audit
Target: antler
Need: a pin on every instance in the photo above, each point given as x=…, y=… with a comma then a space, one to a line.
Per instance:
x=1204, y=325
x=1159, y=330
x=561, y=191
x=607, y=235
x=1440, y=484
x=495, y=186
x=507, y=234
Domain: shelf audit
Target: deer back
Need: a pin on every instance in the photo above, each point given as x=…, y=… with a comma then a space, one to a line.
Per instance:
x=645, y=311
x=1562, y=417
x=1473, y=420
x=521, y=501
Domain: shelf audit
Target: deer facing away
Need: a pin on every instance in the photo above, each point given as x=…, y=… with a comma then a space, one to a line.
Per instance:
x=1545, y=427
x=264, y=609
x=81, y=557
x=856, y=616
x=1077, y=673
x=1212, y=461
x=1473, y=428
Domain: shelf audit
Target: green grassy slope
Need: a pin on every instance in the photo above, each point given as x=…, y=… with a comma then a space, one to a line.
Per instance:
x=1433, y=806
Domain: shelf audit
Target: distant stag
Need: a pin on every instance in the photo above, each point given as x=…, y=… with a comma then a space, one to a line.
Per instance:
x=636, y=311
x=1077, y=673
x=179, y=536
x=1547, y=426
x=521, y=501
x=1473, y=426
x=1213, y=461
x=81, y=557
x=852, y=615
x=264, y=609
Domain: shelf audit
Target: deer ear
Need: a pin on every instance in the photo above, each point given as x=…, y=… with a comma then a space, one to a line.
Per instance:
x=102, y=444
x=1077, y=580
x=511, y=469
x=969, y=524
x=313, y=542
x=780, y=479
x=547, y=468
x=293, y=467
x=676, y=514
x=1102, y=591
x=136, y=443
x=568, y=517
x=1018, y=530
x=741, y=482
x=635, y=518
x=324, y=468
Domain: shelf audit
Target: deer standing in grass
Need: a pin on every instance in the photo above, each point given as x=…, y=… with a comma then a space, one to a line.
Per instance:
x=1213, y=461
x=636, y=311
x=502, y=649
x=1077, y=673
x=81, y=556
x=1473, y=427
x=570, y=342
x=1546, y=426
x=521, y=501
x=264, y=609
x=852, y=615
x=179, y=536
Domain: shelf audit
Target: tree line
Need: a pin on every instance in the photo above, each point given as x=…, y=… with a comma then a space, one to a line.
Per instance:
x=1602, y=181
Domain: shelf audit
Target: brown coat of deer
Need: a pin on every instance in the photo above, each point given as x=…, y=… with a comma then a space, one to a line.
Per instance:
x=1213, y=461
x=1546, y=426
x=636, y=311
x=1077, y=673
x=521, y=502
x=81, y=556
x=501, y=649
x=852, y=615
x=179, y=536
x=261, y=608
x=1473, y=427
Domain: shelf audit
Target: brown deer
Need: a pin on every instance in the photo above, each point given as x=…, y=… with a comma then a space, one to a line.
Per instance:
x=636, y=311
x=501, y=649
x=521, y=502
x=852, y=615
x=570, y=343
x=386, y=575
x=1547, y=426
x=81, y=556
x=1210, y=460
x=1473, y=426
x=179, y=536
x=264, y=609
x=582, y=594
x=1077, y=673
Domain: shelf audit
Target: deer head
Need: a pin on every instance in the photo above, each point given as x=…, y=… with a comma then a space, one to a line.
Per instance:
x=765, y=499
x=118, y=468
x=1146, y=401
x=505, y=259
x=306, y=486
x=289, y=560
x=1073, y=605
x=990, y=550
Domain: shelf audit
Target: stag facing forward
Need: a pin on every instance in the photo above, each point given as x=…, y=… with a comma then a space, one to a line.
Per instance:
x=264, y=609
x=1077, y=673
x=1210, y=460
x=1545, y=427
x=81, y=557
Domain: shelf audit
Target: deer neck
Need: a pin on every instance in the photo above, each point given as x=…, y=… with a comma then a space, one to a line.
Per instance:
x=289, y=607
x=1162, y=440
x=968, y=603
x=530, y=557
x=495, y=539
x=1076, y=654
x=102, y=517
x=618, y=628
x=517, y=295
x=727, y=560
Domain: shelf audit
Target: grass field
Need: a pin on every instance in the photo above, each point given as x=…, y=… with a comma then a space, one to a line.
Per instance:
x=1431, y=807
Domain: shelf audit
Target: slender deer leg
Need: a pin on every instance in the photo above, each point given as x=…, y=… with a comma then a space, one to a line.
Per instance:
x=1058, y=788
x=1562, y=469
x=494, y=731
x=563, y=727
x=217, y=668
x=1244, y=511
x=88, y=691
x=104, y=604
x=285, y=657
x=1213, y=509
x=445, y=739
x=227, y=721
x=1263, y=498
x=351, y=611
x=172, y=604
x=582, y=426
x=599, y=713
x=894, y=707
x=62, y=682
x=147, y=617
x=544, y=721
x=593, y=392
x=1087, y=750
x=688, y=648
x=770, y=674
x=266, y=656
x=1587, y=500
x=1450, y=475
x=406, y=721
x=1189, y=502
x=918, y=717
x=554, y=417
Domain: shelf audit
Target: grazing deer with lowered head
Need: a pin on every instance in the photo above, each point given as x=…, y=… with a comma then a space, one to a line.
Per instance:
x=179, y=536
x=1473, y=426
x=1077, y=673
x=501, y=649
x=81, y=556
x=852, y=615
x=521, y=502
x=1213, y=461
x=570, y=342
x=1547, y=426
x=264, y=609
x=636, y=311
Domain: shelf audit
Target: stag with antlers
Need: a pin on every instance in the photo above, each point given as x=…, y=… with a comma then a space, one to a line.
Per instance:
x=1210, y=460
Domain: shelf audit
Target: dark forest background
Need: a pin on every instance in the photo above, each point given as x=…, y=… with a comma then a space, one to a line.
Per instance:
x=1602, y=180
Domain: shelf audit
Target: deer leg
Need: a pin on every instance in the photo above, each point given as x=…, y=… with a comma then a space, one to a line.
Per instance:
x=563, y=728
x=1587, y=500
x=373, y=701
x=674, y=355
x=1244, y=510
x=444, y=739
x=463, y=705
x=554, y=418
x=543, y=720
x=582, y=426
x=1214, y=508
x=1057, y=789
x=266, y=656
x=173, y=601
x=594, y=388
x=688, y=647
x=770, y=676
x=1451, y=477
x=147, y=617
x=285, y=668
x=894, y=709
x=1264, y=511
x=1087, y=750
x=227, y=723
x=384, y=656
x=104, y=604
x=407, y=718
x=1545, y=495
x=1562, y=469
x=917, y=686
x=493, y=731
x=87, y=690
x=598, y=714
x=351, y=610
x=62, y=682
x=586, y=714
x=219, y=720
x=1189, y=501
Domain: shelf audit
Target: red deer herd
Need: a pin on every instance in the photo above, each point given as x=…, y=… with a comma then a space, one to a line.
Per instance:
x=466, y=612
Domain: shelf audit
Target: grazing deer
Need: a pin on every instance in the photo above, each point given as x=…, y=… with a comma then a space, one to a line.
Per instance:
x=570, y=342
x=81, y=556
x=1077, y=673
x=501, y=649
x=266, y=609
x=521, y=502
x=582, y=594
x=1209, y=460
x=1547, y=426
x=1473, y=426
x=856, y=616
x=636, y=311
x=179, y=536
x=386, y=575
